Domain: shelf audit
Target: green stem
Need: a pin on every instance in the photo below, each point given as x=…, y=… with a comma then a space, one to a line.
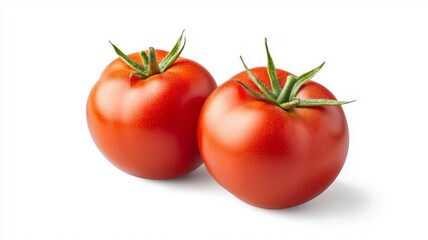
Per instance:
x=153, y=67
x=150, y=66
x=286, y=97
x=138, y=69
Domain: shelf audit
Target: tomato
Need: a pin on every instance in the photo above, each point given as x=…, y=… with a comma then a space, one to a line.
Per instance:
x=142, y=113
x=269, y=153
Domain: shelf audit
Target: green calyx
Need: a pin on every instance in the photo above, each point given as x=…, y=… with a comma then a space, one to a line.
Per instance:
x=150, y=65
x=285, y=97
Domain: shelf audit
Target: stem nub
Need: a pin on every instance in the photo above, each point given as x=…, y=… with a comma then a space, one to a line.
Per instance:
x=286, y=97
x=150, y=65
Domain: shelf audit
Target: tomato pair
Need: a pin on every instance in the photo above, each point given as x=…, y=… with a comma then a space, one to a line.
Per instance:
x=154, y=115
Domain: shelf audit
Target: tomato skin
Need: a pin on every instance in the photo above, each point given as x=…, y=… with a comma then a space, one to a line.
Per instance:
x=266, y=156
x=147, y=128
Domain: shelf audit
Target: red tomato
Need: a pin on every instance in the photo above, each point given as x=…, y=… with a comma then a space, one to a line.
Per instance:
x=147, y=127
x=266, y=155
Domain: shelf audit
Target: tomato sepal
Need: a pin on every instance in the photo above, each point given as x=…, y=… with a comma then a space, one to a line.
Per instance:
x=138, y=69
x=304, y=78
x=255, y=94
x=285, y=97
x=312, y=103
x=272, y=72
x=150, y=65
x=265, y=90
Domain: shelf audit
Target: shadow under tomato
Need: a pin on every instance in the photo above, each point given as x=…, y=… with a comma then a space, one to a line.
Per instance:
x=198, y=180
x=340, y=199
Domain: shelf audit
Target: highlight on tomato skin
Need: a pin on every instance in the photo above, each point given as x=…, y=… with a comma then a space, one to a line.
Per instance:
x=273, y=139
x=142, y=113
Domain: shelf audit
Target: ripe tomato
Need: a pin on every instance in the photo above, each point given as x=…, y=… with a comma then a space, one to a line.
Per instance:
x=142, y=113
x=270, y=153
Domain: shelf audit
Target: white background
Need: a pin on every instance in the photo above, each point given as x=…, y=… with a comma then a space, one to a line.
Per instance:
x=55, y=184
